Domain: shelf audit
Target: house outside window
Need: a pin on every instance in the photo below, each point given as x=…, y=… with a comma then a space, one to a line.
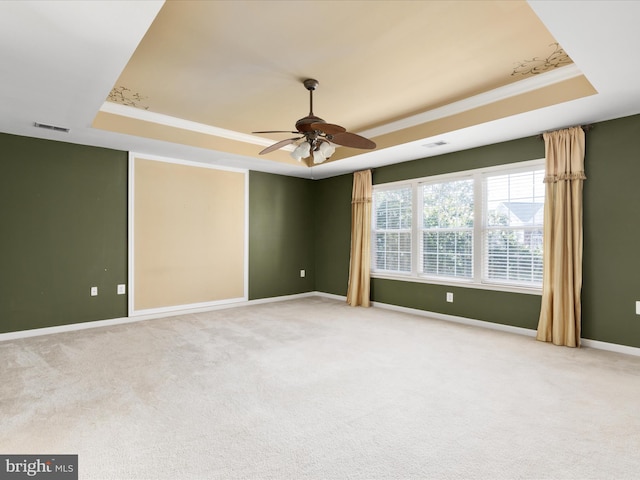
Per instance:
x=513, y=232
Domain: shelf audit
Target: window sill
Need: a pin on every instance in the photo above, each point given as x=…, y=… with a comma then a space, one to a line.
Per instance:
x=452, y=283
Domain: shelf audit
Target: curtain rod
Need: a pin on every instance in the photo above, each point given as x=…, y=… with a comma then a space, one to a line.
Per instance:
x=586, y=128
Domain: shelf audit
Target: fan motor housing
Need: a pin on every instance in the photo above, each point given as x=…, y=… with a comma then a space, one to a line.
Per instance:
x=304, y=124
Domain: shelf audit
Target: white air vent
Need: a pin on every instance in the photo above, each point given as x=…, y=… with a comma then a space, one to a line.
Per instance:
x=51, y=127
x=435, y=144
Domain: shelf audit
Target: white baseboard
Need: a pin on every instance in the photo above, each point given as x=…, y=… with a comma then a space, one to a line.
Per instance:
x=193, y=308
x=282, y=298
x=452, y=318
x=36, y=332
x=611, y=347
x=174, y=312
x=342, y=298
x=585, y=342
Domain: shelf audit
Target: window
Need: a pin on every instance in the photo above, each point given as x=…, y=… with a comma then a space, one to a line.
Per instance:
x=392, y=230
x=513, y=231
x=447, y=229
x=480, y=228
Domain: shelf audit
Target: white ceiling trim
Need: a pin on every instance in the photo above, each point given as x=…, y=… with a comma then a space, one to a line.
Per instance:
x=169, y=121
x=523, y=86
x=518, y=88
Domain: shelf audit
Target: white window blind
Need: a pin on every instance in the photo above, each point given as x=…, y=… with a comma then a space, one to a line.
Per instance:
x=513, y=230
x=479, y=228
x=392, y=230
x=447, y=228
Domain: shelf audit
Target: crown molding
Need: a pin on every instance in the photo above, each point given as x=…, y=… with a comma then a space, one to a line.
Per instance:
x=174, y=122
x=530, y=84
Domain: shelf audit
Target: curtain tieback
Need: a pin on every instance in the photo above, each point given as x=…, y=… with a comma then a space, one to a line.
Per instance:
x=565, y=176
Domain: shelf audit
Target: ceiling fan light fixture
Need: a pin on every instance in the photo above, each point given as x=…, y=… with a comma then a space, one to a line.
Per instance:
x=327, y=149
x=301, y=151
x=318, y=157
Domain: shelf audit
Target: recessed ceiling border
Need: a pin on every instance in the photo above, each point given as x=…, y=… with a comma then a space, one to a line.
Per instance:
x=492, y=96
x=523, y=86
x=169, y=121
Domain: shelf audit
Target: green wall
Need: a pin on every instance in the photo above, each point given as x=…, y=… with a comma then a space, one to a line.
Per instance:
x=523, y=149
x=611, y=262
x=333, y=238
x=281, y=235
x=513, y=309
x=611, y=267
x=63, y=211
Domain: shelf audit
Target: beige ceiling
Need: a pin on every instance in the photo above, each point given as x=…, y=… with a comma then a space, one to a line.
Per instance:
x=238, y=66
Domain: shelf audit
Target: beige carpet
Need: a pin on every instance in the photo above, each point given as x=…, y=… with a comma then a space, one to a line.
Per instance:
x=314, y=389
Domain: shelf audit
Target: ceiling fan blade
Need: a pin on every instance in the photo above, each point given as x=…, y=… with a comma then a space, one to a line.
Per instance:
x=328, y=128
x=278, y=145
x=276, y=131
x=348, y=139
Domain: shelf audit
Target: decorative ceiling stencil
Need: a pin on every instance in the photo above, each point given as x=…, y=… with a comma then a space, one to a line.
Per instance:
x=125, y=96
x=558, y=58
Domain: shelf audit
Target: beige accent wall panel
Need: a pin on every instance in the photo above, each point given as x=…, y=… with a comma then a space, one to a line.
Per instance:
x=188, y=235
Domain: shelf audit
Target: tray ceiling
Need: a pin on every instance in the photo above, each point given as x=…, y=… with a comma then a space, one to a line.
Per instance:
x=192, y=79
x=207, y=74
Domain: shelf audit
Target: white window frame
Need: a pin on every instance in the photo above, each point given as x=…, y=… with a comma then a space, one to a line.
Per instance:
x=409, y=230
x=420, y=227
x=478, y=279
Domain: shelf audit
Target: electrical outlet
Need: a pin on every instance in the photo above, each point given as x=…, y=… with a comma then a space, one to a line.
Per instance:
x=94, y=291
x=302, y=273
x=450, y=297
x=637, y=308
x=122, y=289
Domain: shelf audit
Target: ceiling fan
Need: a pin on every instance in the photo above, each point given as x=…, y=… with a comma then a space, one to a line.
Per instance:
x=319, y=136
